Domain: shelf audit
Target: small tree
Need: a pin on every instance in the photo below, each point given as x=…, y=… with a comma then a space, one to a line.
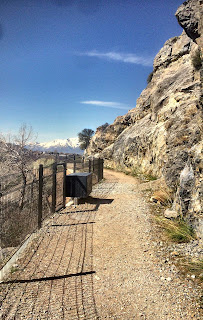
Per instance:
x=15, y=155
x=103, y=126
x=13, y=148
x=84, y=138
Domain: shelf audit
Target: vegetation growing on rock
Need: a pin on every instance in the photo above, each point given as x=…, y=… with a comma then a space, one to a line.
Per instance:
x=150, y=76
x=84, y=138
x=177, y=230
x=196, y=60
x=103, y=127
x=162, y=136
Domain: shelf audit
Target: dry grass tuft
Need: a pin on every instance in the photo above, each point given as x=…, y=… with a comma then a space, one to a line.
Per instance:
x=176, y=230
x=191, y=111
x=181, y=140
x=162, y=197
x=168, y=124
x=195, y=267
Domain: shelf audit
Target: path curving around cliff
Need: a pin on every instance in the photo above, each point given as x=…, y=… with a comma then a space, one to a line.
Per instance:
x=132, y=280
x=99, y=261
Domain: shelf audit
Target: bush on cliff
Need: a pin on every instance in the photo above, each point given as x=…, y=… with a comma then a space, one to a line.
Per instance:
x=196, y=60
x=150, y=76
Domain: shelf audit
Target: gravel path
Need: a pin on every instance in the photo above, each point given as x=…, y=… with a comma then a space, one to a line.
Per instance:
x=99, y=261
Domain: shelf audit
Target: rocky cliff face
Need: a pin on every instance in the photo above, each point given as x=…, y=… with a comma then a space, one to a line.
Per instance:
x=189, y=16
x=162, y=135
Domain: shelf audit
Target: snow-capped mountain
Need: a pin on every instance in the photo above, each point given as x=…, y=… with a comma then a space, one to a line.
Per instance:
x=70, y=145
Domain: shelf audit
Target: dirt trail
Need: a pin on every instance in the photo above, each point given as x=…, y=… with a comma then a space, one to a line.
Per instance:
x=98, y=261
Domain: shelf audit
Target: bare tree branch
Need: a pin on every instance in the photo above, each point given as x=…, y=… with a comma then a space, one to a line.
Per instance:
x=13, y=152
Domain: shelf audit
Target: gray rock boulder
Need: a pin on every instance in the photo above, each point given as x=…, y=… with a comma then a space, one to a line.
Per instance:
x=189, y=15
x=170, y=214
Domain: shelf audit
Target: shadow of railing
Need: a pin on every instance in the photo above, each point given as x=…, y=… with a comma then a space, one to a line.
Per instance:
x=54, y=278
x=57, y=280
x=94, y=201
x=49, y=278
x=69, y=225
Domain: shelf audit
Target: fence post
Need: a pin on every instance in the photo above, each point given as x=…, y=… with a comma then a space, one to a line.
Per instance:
x=54, y=187
x=89, y=165
x=98, y=169
x=93, y=165
x=64, y=184
x=40, y=196
x=83, y=163
x=102, y=168
x=74, y=164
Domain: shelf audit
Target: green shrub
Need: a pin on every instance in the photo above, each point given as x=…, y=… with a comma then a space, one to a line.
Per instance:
x=196, y=60
x=150, y=177
x=13, y=269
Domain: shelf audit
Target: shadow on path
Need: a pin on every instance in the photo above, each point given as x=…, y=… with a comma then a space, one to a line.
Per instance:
x=49, y=278
x=54, y=278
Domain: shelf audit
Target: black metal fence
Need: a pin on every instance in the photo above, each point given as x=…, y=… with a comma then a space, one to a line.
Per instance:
x=92, y=165
x=25, y=201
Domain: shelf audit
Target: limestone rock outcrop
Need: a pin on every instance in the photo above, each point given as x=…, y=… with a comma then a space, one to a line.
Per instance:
x=162, y=135
x=189, y=15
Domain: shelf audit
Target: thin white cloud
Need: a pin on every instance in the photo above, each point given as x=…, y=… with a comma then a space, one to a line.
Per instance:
x=106, y=104
x=122, y=57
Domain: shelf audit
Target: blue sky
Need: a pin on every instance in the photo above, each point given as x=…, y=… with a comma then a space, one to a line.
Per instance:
x=67, y=65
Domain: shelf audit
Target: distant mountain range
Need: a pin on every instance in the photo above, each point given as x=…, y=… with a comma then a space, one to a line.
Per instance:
x=70, y=145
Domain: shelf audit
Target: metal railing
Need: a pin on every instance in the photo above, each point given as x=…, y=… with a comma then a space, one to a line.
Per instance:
x=92, y=165
x=26, y=202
